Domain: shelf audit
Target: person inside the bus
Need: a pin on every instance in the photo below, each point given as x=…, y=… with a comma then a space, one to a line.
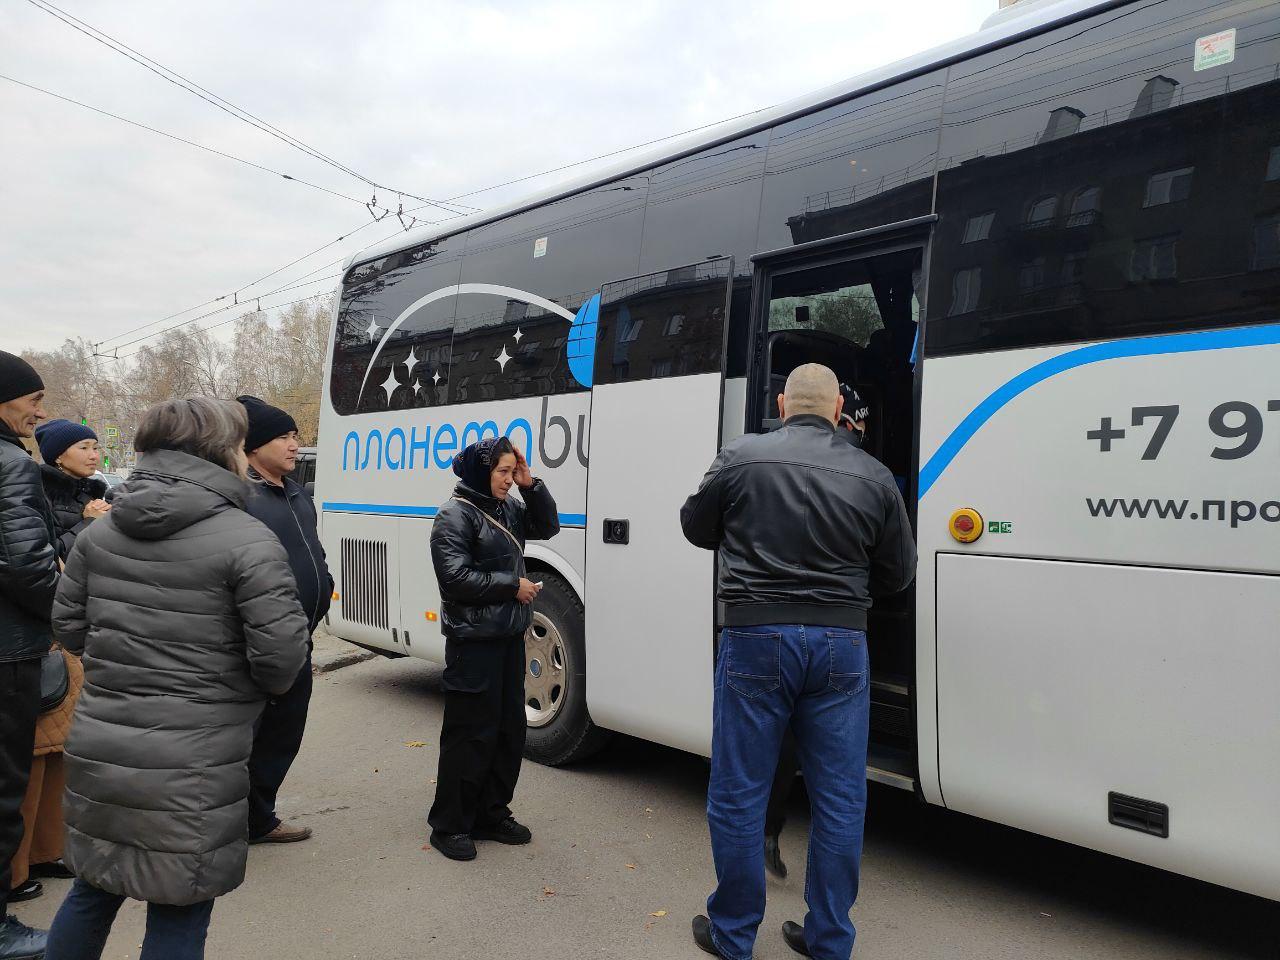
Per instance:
x=793, y=653
x=853, y=418
x=477, y=549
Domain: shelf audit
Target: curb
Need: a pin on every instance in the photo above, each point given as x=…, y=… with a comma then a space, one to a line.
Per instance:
x=344, y=659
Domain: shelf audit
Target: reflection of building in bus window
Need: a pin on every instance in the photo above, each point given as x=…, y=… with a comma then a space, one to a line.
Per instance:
x=1266, y=243
x=1042, y=210
x=1156, y=225
x=1155, y=258
x=1170, y=186
x=978, y=227
x=965, y=288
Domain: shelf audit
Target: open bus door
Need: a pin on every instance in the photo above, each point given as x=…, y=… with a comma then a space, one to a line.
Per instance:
x=656, y=409
x=853, y=306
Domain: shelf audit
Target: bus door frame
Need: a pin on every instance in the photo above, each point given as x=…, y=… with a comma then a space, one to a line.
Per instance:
x=915, y=233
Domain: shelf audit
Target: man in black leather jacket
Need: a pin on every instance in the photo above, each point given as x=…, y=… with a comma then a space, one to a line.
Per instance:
x=477, y=549
x=28, y=582
x=808, y=528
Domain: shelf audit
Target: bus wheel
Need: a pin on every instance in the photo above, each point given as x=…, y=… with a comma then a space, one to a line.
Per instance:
x=555, y=679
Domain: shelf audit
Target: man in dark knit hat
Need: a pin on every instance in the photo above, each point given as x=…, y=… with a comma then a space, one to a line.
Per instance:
x=272, y=448
x=28, y=581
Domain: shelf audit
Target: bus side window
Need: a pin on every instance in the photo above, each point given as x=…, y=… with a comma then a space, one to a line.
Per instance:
x=666, y=324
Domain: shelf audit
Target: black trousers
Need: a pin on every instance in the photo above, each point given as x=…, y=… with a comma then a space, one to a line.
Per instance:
x=276, y=741
x=482, y=740
x=784, y=778
x=19, y=707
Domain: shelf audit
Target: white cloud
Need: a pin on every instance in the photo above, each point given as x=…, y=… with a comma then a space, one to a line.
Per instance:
x=106, y=227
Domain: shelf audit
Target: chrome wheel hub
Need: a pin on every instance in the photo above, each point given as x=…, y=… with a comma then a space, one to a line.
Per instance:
x=544, y=675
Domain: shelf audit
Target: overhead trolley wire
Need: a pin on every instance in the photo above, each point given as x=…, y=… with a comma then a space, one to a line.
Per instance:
x=221, y=103
x=190, y=143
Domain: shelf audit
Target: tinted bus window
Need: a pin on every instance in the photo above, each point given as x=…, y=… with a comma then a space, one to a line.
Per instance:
x=525, y=278
x=395, y=329
x=707, y=206
x=862, y=163
x=1116, y=189
x=665, y=324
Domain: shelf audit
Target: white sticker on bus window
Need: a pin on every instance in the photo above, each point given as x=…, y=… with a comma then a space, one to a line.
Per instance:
x=1216, y=49
x=539, y=247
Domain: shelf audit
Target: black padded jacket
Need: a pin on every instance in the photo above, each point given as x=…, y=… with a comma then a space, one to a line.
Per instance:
x=808, y=528
x=68, y=496
x=28, y=554
x=479, y=567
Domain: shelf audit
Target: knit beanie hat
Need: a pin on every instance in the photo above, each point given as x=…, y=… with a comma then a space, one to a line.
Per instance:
x=55, y=436
x=265, y=423
x=17, y=378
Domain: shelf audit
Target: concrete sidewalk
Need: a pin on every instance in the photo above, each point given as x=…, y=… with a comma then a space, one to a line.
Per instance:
x=332, y=653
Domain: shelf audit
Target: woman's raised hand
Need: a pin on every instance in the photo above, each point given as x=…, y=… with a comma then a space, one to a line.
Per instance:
x=522, y=476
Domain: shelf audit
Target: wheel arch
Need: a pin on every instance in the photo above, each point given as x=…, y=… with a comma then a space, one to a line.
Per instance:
x=541, y=558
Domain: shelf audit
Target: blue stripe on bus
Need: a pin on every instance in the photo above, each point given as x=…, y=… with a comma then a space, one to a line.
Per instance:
x=1112, y=350
x=397, y=510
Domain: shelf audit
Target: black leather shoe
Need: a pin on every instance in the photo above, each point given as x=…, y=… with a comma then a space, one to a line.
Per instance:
x=509, y=831
x=54, y=870
x=455, y=846
x=20, y=942
x=793, y=933
x=28, y=890
x=702, y=935
x=773, y=858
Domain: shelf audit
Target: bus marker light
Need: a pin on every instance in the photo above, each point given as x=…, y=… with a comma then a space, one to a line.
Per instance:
x=431, y=615
x=335, y=595
x=966, y=525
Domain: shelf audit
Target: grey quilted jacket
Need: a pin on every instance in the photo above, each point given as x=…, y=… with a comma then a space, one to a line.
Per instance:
x=188, y=618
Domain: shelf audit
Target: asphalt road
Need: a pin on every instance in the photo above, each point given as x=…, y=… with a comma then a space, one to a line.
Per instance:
x=620, y=863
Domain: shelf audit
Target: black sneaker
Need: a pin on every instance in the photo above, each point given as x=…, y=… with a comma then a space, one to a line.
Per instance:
x=20, y=942
x=28, y=890
x=702, y=935
x=455, y=846
x=509, y=831
x=793, y=933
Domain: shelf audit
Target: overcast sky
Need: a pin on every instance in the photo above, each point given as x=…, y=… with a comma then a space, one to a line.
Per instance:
x=104, y=227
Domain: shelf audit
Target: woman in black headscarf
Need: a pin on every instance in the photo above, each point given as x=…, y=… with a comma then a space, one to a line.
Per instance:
x=477, y=548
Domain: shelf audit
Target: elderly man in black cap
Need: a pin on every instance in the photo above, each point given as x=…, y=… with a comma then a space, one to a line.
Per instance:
x=272, y=448
x=28, y=581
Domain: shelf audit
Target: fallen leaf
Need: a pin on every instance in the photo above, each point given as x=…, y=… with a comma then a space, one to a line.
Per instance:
x=631, y=866
x=658, y=913
x=415, y=743
x=548, y=892
x=426, y=846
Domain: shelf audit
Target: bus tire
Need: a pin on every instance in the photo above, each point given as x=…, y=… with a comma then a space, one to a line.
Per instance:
x=560, y=730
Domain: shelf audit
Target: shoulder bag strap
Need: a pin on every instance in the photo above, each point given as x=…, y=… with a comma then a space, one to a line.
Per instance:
x=510, y=536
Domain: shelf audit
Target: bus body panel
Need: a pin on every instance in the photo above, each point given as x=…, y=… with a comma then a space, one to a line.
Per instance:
x=1091, y=640
x=650, y=615
x=1062, y=682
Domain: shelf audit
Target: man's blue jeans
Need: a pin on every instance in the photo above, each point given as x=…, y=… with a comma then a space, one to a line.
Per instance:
x=817, y=679
x=80, y=929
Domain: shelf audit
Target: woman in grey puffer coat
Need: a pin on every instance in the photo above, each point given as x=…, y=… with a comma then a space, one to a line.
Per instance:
x=188, y=619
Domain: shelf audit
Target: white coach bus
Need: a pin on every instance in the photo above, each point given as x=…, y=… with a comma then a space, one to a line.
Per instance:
x=1048, y=255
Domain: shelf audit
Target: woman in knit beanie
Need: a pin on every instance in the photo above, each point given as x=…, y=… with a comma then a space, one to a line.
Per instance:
x=70, y=454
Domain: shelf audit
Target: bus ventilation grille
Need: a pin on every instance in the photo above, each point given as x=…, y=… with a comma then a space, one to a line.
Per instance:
x=364, y=582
